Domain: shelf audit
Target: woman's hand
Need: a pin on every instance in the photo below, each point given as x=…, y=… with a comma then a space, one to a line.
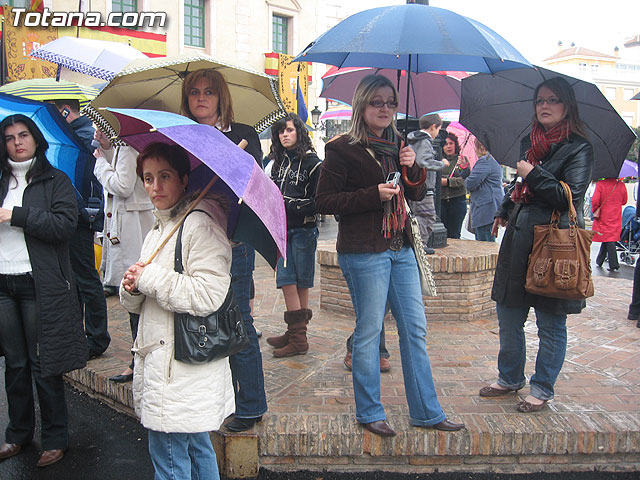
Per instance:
x=131, y=277
x=497, y=222
x=523, y=167
x=98, y=152
x=444, y=181
x=104, y=141
x=5, y=215
x=407, y=155
x=387, y=191
x=446, y=162
x=463, y=162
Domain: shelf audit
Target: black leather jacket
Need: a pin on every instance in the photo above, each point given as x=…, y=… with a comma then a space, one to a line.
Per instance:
x=570, y=161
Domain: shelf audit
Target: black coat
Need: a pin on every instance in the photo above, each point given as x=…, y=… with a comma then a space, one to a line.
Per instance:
x=48, y=216
x=570, y=161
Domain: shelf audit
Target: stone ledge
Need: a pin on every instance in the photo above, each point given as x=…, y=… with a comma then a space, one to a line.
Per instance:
x=533, y=437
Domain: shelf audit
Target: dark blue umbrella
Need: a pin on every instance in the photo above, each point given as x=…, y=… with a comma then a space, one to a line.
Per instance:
x=416, y=38
x=66, y=151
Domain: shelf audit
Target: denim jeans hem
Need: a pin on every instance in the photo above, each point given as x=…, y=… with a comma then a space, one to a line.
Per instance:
x=513, y=386
x=371, y=418
x=428, y=423
x=248, y=415
x=539, y=393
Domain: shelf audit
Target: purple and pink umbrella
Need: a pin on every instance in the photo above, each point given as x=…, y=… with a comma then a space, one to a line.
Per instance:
x=256, y=213
x=629, y=169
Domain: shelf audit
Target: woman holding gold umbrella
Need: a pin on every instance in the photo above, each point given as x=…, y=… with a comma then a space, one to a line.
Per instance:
x=207, y=100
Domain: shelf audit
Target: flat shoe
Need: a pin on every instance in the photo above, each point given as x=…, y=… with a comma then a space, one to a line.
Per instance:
x=242, y=424
x=9, y=450
x=385, y=365
x=122, y=378
x=381, y=427
x=526, y=407
x=447, y=426
x=348, y=361
x=490, y=391
x=633, y=316
x=49, y=457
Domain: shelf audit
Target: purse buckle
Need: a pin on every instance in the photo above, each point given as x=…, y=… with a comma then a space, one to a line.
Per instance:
x=202, y=341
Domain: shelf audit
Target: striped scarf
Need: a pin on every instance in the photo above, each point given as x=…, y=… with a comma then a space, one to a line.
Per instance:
x=386, y=152
x=541, y=142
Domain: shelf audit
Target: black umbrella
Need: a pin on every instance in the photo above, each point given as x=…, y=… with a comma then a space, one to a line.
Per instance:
x=498, y=109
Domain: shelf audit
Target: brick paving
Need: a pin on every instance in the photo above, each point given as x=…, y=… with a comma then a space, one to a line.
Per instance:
x=593, y=422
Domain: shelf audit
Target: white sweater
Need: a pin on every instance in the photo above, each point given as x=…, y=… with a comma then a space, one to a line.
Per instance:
x=14, y=256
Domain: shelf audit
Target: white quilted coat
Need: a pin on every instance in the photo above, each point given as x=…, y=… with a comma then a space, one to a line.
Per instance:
x=172, y=396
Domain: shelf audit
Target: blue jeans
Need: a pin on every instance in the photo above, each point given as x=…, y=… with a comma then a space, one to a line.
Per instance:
x=552, y=332
x=246, y=366
x=374, y=278
x=483, y=233
x=183, y=456
x=301, y=258
x=18, y=342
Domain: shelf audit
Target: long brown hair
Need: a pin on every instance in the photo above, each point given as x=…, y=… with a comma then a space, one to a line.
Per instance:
x=563, y=90
x=216, y=82
x=365, y=91
x=303, y=141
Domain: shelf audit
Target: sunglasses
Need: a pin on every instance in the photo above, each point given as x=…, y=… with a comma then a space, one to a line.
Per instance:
x=380, y=104
x=551, y=101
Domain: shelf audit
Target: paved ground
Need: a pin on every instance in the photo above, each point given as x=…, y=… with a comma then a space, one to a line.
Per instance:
x=599, y=387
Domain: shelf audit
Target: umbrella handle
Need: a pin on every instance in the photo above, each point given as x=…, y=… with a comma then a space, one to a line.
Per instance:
x=243, y=144
x=409, y=183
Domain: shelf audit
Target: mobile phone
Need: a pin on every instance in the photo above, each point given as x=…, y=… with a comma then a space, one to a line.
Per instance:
x=393, y=178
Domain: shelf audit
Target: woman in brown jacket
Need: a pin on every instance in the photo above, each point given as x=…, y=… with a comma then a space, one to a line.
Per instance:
x=374, y=254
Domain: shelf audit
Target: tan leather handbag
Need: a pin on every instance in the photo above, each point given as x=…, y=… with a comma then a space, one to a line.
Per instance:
x=560, y=260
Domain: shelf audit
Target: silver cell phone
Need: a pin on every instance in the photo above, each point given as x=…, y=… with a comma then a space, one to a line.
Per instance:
x=393, y=178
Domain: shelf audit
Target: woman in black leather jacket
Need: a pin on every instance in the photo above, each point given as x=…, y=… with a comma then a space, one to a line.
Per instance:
x=556, y=150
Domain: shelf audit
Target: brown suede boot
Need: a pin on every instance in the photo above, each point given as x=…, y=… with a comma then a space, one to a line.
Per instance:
x=297, y=329
x=283, y=340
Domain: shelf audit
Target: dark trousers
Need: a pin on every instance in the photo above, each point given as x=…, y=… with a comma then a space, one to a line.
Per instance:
x=134, y=320
x=90, y=291
x=452, y=213
x=634, y=307
x=608, y=250
x=246, y=366
x=19, y=343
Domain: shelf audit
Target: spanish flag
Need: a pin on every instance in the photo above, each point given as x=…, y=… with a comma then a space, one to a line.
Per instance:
x=36, y=6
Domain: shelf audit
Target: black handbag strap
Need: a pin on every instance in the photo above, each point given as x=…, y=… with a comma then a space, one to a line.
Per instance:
x=177, y=265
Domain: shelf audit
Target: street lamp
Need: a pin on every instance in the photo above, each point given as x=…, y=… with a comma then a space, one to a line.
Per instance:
x=315, y=116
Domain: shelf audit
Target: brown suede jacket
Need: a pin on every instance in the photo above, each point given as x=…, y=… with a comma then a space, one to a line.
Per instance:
x=348, y=187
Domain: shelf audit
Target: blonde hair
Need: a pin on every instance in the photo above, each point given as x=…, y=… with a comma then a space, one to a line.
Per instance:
x=219, y=85
x=365, y=91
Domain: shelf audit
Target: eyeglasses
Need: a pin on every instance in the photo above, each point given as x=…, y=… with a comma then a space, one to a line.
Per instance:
x=551, y=101
x=380, y=104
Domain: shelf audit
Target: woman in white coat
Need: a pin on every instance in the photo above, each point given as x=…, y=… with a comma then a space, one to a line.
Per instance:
x=178, y=402
x=128, y=218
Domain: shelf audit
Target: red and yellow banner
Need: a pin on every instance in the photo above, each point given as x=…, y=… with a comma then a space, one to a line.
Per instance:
x=289, y=75
x=151, y=44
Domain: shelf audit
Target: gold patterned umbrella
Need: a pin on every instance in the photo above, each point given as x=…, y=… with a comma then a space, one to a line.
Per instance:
x=156, y=84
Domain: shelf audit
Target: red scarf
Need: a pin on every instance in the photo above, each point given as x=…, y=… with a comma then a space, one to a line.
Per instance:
x=541, y=141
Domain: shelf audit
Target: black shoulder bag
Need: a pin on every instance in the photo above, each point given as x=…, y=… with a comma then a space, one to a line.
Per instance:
x=204, y=339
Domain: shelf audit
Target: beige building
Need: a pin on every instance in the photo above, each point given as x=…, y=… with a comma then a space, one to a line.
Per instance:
x=616, y=74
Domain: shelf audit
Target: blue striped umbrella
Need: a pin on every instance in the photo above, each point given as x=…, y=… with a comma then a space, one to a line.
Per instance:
x=66, y=151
